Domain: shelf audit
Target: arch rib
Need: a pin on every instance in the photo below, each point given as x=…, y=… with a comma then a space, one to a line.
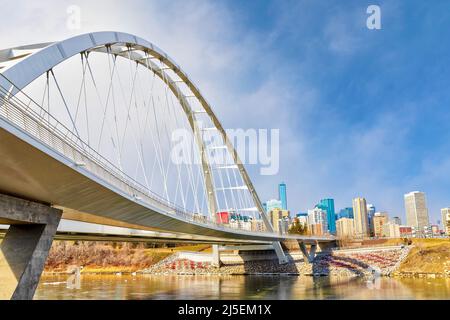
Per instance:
x=22, y=69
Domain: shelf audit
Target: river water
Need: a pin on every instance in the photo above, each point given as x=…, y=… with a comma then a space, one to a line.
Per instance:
x=237, y=287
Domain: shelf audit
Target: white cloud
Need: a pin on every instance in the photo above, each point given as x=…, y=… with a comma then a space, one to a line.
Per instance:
x=249, y=85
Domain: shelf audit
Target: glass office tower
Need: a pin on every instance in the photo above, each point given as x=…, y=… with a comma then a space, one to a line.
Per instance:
x=282, y=195
x=328, y=206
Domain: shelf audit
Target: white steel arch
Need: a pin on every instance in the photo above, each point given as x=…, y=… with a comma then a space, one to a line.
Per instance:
x=20, y=66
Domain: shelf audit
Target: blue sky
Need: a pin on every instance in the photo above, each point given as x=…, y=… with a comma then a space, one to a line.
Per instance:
x=361, y=112
x=378, y=123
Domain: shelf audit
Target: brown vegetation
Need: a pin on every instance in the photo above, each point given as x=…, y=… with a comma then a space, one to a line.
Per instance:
x=429, y=256
x=109, y=257
x=298, y=228
x=100, y=257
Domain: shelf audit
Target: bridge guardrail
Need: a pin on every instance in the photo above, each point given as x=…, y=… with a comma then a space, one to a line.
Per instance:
x=50, y=131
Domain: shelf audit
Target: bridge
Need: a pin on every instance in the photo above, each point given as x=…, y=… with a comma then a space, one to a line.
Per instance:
x=105, y=128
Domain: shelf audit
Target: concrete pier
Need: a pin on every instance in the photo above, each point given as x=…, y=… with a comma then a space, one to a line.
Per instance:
x=25, y=248
x=215, y=257
x=308, y=255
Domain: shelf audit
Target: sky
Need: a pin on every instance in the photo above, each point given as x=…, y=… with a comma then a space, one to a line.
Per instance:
x=361, y=112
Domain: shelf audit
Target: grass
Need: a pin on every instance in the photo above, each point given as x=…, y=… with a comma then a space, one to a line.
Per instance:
x=428, y=256
x=103, y=257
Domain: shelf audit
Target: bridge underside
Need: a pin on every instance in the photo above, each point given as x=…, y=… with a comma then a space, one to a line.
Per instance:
x=32, y=171
x=50, y=181
x=46, y=166
x=129, y=235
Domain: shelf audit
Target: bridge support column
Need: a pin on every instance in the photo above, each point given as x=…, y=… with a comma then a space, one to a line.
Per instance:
x=24, y=249
x=282, y=259
x=327, y=246
x=308, y=256
x=215, y=255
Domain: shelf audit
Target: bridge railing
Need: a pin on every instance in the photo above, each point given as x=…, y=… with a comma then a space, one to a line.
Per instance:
x=48, y=130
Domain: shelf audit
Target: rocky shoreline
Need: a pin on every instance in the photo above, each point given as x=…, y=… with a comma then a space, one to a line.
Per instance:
x=383, y=263
x=340, y=263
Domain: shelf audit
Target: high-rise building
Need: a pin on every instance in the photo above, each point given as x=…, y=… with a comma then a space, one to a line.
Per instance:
x=406, y=231
x=265, y=206
x=246, y=225
x=397, y=220
x=370, y=213
x=360, y=217
x=316, y=229
x=198, y=217
x=283, y=225
x=302, y=218
x=273, y=204
x=223, y=217
x=257, y=225
x=416, y=211
x=317, y=220
x=435, y=230
x=345, y=228
x=282, y=195
x=379, y=219
x=390, y=230
x=345, y=213
x=277, y=215
x=328, y=206
x=445, y=213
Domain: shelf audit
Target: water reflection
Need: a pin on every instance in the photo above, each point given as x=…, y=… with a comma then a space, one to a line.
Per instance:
x=240, y=287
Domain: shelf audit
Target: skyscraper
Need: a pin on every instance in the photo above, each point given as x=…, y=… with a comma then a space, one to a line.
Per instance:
x=278, y=218
x=346, y=213
x=345, y=228
x=416, y=211
x=317, y=221
x=328, y=206
x=273, y=204
x=360, y=217
x=282, y=195
x=370, y=213
x=378, y=220
x=445, y=212
x=397, y=220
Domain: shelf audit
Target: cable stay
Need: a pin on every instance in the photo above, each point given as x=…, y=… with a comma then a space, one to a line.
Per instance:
x=233, y=166
x=198, y=111
x=232, y=188
x=217, y=147
x=209, y=129
x=252, y=209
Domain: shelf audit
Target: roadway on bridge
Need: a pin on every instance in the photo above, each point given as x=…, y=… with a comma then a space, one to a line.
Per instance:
x=28, y=170
x=43, y=164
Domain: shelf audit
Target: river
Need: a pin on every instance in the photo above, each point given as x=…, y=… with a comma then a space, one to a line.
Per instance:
x=237, y=287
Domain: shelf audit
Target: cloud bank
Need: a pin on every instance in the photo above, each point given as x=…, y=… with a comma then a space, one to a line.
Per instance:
x=360, y=112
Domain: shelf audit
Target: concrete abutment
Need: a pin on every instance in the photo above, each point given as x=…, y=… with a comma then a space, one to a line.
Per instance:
x=26, y=245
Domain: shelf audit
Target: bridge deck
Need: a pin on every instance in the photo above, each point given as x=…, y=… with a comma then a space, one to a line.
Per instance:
x=34, y=171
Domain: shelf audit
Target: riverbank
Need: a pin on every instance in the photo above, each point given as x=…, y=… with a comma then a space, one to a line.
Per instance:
x=349, y=263
x=428, y=258
x=106, y=257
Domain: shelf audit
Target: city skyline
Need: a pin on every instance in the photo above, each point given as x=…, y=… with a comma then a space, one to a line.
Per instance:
x=381, y=129
x=362, y=220
x=210, y=152
x=328, y=206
